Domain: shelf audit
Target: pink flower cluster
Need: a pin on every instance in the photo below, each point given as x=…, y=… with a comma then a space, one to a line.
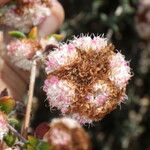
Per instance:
x=27, y=17
x=64, y=55
x=59, y=92
x=21, y=51
x=66, y=133
x=60, y=137
x=102, y=91
x=85, y=94
x=85, y=43
x=119, y=71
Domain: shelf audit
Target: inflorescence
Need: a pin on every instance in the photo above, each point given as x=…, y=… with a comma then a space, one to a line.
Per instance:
x=27, y=14
x=67, y=134
x=21, y=51
x=86, y=78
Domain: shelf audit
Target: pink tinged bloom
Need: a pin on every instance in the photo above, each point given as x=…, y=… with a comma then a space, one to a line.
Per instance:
x=51, y=64
x=96, y=75
x=61, y=57
x=59, y=137
x=81, y=119
x=19, y=51
x=98, y=43
x=98, y=99
x=59, y=93
x=18, y=48
x=31, y=16
x=120, y=70
x=66, y=133
x=86, y=43
x=70, y=123
x=54, y=80
x=83, y=43
x=3, y=125
x=101, y=91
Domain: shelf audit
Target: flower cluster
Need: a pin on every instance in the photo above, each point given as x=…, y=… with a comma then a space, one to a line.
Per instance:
x=86, y=78
x=67, y=134
x=143, y=19
x=3, y=125
x=32, y=13
x=21, y=51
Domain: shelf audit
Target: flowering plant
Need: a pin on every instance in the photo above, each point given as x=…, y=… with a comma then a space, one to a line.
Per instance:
x=86, y=80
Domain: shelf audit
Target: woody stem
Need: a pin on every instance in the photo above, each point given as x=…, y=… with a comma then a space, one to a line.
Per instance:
x=30, y=98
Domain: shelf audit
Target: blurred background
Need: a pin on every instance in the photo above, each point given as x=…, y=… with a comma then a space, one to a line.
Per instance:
x=128, y=127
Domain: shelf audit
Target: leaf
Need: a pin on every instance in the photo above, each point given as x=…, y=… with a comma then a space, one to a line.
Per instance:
x=31, y=143
x=30, y=147
x=10, y=139
x=43, y=146
x=36, y=144
x=14, y=122
x=7, y=104
x=32, y=140
x=58, y=37
x=17, y=34
x=33, y=33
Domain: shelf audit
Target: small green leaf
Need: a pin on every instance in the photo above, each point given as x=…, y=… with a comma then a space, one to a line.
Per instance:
x=10, y=139
x=14, y=122
x=43, y=146
x=17, y=34
x=7, y=104
x=36, y=144
x=32, y=140
x=30, y=147
x=31, y=143
x=58, y=37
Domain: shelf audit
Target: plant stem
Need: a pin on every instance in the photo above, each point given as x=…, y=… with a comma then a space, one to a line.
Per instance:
x=17, y=133
x=1, y=42
x=29, y=103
